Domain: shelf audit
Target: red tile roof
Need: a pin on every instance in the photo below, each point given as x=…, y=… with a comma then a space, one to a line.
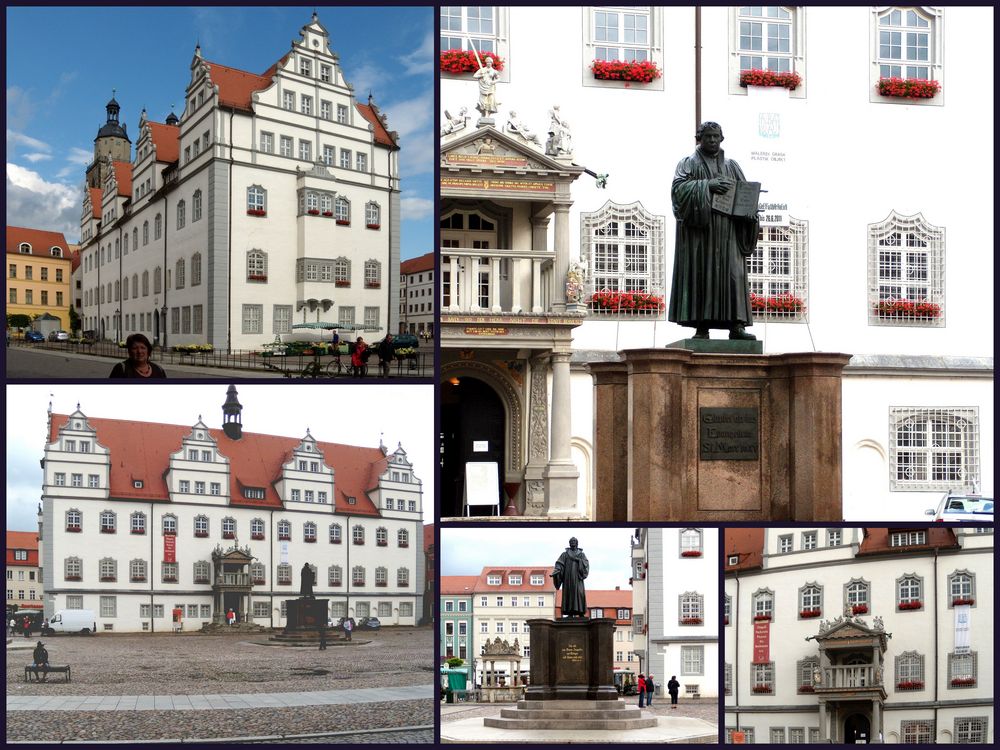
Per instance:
x=525, y=570
x=237, y=86
x=95, y=201
x=76, y=257
x=166, y=139
x=748, y=544
x=382, y=137
x=123, y=174
x=41, y=241
x=876, y=541
x=23, y=540
x=608, y=600
x=458, y=585
x=141, y=450
x=428, y=536
x=417, y=265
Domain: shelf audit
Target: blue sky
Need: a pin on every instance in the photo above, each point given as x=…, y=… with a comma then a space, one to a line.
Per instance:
x=56, y=96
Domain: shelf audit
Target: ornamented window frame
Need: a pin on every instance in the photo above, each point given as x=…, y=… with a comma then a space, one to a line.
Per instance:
x=137, y=571
x=801, y=600
x=908, y=668
x=967, y=419
x=797, y=278
x=797, y=54
x=935, y=17
x=693, y=543
x=962, y=596
x=917, y=731
x=804, y=669
x=763, y=596
x=909, y=578
x=690, y=608
x=762, y=678
x=654, y=257
x=654, y=46
x=980, y=725
x=915, y=228
x=853, y=605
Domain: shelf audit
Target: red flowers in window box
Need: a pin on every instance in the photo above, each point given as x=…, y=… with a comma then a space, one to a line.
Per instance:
x=108, y=579
x=342, y=283
x=766, y=689
x=335, y=583
x=908, y=88
x=256, y=277
x=859, y=609
x=313, y=212
x=962, y=681
x=256, y=212
x=904, y=308
x=691, y=553
x=284, y=583
x=626, y=302
x=73, y=578
x=809, y=613
x=725, y=620
x=381, y=583
x=107, y=530
x=228, y=534
x=201, y=534
x=638, y=71
x=284, y=537
x=807, y=689
x=138, y=531
x=464, y=61
x=328, y=213
x=344, y=222
x=790, y=81
x=910, y=685
x=309, y=540
x=787, y=304
x=169, y=533
x=373, y=226
x=201, y=580
x=691, y=621
x=170, y=579
x=258, y=582
x=373, y=285
x=359, y=541
x=963, y=600
x=403, y=544
x=910, y=605
x=761, y=618
x=142, y=579
x=402, y=584
x=381, y=544
x=257, y=537
x=74, y=529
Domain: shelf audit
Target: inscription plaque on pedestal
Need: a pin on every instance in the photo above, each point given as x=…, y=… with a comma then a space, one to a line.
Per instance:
x=730, y=434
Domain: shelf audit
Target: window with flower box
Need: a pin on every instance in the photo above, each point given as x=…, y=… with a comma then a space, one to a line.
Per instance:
x=108, y=569
x=342, y=211
x=906, y=262
x=335, y=575
x=961, y=588
x=137, y=523
x=228, y=527
x=933, y=449
x=857, y=596
x=201, y=526
x=623, y=247
x=381, y=576
x=768, y=48
x=778, y=273
x=763, y=605
x=257, y=574
x=373, y=274
x=357, y=576
x=804, y=669
x=691, y=608
x=690, y=543
x=810, y=601
x=762, y=678
x=109, y=522
x=909, y=668
x=284, y=531
x=358, y=534
x=402, y=538
x=373, y=214
x=168, y=572
x=906, y=65
x=909, y=592
x=73, y=569
x=169, y=524
x=309, y=532
x=623, y=47
x=465, y=29
x=137, y=571
x=403, y=578
x=284, y=574
x=202, y=571
x=972, y=730
x=257, y=529
x=335, y=533
x=256, y=201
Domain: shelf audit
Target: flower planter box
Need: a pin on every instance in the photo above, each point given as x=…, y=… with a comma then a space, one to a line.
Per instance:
x=914, y=685
x=402, y=585
x=691, y=621
x=328, y=214
x=257, y=537
x=169, y=579
x=807, y=689
x=464, y=61
x=691, y=553
x=361, y=543
x=284, y=583
x=310, y=541
x=257, y=277
x=335, y=541
x=201, y=534
x=201, y=580
x=908, y=88
x=335, y=584
x=381, y=544
x=108, y=579
x=910, y=605
x=966, y=600
x=644, y=71
x=762, y=689
x=963, y=681
x=762, y=618
x=169, y=533
x=73, y=529
x=256, y=212
x=341, y=284
x=790, y=81
x=73, y=578
x=725, y=620
x=284, y=538
x=373, y=285
x=228, y=534
x=373, y=226
x=141, y=580
x=313, y=212
x=258, y=581
x=626, y=302
x=108, y=531
x=782, y=304
x=344, y=222
x=138, y=531
x=859, y=609
x=381, y=585
x=903, y=308
x=404, y=544
x=806, y=613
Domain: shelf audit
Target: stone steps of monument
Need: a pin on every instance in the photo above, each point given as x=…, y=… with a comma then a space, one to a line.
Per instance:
x=573, y=705
x=570, y=724
x=616, y=714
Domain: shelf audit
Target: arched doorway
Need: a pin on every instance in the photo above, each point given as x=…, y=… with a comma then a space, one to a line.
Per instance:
x=473, y=425
x=857, y=730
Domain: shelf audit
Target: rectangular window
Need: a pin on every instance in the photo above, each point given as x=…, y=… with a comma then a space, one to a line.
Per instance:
x=286, y=145
x=282, y=322
x=109, y=606
x=325, y=109
x=305, y=67
x=76, y=480
x=216, y=488
x=833, y=537
x=342, y=113
x=785, y=543
x=345, y=158
x=306, y=105
x=692, y=660
x=60, y=479
x=907, y=538
x=267, y=142
x=253, y=318
x=621, y=34
x=972, y=730
x=765, y=38
x=324, y=73
x=288, y=100
x=808, y=540
x=362, y=162
x=372, y=318
x=305, y=150
x=198, y=318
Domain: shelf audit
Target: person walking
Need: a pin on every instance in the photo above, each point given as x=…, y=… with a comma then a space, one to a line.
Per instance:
x=26, y=625
x=13, y=627
x=348, y=627
x=673, y=687
x=358, y=358
x=230, y=617
x=650, y=690
x=642, y=689
x=386, y=351
x=322, y=637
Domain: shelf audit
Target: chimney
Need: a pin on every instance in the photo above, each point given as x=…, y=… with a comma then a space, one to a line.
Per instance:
x=232, y=415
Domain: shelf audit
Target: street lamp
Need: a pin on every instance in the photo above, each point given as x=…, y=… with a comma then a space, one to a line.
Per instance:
x=118, y=324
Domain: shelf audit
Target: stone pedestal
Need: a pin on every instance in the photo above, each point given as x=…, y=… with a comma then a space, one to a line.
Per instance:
x=572, y=659
x=305, y=614
x=712, y=437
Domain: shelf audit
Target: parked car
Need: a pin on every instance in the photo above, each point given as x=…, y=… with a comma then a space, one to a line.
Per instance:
x=369, y=623
x=59, y=336
x=34, y=336
x=72, y=621
x=959, y=507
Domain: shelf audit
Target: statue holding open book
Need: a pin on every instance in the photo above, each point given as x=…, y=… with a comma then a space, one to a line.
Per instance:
x=717, y=226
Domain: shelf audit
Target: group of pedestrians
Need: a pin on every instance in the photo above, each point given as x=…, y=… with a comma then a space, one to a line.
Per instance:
x=23, y=626
x=647, y=689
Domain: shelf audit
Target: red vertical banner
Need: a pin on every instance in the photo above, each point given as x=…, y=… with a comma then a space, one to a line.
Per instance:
x=169, y=548
x=762, y=642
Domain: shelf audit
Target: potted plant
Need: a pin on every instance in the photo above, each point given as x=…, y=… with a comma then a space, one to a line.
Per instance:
x=910, y=605
x=908, y=88
x=691, y=553
x=806, y=613
x=634, y=71
x=756, y=77
x=859, y=609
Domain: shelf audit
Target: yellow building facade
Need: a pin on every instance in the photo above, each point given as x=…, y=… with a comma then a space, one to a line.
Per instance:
x=39, y=266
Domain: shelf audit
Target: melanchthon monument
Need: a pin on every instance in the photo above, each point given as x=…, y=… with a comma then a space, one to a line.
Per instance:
x=713, y=429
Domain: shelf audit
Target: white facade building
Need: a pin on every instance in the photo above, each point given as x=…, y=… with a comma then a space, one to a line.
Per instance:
x=857, y=635
x=675, y=619
x=857, y=248
x=273, y=199
x=136, y=515
x=417, y=290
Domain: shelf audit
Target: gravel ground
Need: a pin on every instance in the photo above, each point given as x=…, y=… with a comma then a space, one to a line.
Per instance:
x=165, y=664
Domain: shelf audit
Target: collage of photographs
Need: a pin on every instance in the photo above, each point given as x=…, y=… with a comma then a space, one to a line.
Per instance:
x=524, y=375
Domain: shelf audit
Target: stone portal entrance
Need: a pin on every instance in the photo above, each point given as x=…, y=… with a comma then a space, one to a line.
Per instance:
x=474, y=425
x=857, y=729
x=231, y=584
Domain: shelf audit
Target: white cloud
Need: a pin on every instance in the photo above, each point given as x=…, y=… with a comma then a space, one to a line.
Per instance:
x=366, y=77
x=34, y=202
x=37, y=157
x=420, y=60
x=20, y=108
x=415, y=207
x=80, y=156
x=409, y=116
x=15, y=139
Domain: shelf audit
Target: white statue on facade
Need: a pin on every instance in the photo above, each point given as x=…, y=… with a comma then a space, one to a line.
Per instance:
x=453, y=124
x=560, y=140
x=574, y=283
x=487, y=76
x=514, y=125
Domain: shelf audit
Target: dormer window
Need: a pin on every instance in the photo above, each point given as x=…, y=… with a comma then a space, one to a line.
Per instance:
x=24, y=248
x=493, y=580
x=907, y=538
x=537, y=580
x=137, y=484
x=733, y=560
x=514, y=579
x=253, y=493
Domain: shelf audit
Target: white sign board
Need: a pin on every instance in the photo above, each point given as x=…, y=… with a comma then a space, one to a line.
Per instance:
x=963, y=616
x=283, y=551
x=482, y=483
x=480, y=446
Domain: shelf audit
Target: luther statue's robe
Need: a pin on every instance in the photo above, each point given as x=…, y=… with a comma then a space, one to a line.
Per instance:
x=571, y=569
x=709, y=288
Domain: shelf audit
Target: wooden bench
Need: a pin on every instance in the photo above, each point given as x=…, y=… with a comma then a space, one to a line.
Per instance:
x=45, y=672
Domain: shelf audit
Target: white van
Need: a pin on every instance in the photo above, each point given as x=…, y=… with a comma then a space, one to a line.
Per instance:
x=72, y=621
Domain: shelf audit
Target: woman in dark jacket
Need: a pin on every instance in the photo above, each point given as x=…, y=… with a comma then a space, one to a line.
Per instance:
x=673, y=687
x=138, y=365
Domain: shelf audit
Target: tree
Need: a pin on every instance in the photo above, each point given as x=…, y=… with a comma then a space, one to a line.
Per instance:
x=455, y=662
x=74, y=320
x=18, y=320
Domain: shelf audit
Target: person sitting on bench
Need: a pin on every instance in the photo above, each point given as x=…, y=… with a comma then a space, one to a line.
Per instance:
x=41, y=660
